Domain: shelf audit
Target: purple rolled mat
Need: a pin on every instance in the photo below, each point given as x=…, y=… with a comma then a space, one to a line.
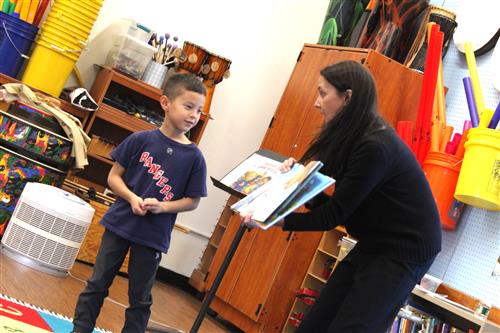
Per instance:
x=471, y=102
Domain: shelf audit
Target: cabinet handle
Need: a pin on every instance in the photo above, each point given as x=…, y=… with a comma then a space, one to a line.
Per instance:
x=289, y=236
x=258, y=309
x=271, y=122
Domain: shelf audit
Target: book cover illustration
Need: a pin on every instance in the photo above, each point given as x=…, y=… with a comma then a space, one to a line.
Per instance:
x=285, y=193
x=257, y=170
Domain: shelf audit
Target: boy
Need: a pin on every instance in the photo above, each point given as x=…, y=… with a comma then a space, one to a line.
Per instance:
x=156, y=174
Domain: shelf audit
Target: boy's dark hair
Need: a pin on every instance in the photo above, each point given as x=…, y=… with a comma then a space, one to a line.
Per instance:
x=178, y=82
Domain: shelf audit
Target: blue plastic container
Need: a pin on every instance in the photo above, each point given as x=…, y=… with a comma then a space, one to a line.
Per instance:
x=16, y=38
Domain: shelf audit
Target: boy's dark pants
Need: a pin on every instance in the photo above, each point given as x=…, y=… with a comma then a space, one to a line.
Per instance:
x=143, y=264
x=363, y=295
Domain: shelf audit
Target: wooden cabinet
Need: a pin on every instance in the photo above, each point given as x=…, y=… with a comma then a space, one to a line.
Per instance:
x=258, y=289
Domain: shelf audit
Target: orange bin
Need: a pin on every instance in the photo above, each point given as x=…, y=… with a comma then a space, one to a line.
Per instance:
x=442, y=170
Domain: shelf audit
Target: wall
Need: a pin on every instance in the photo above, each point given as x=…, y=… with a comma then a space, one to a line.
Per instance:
x=263, y=40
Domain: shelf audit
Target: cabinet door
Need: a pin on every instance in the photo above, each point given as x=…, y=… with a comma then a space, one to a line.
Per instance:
x=259, y=271
x=296, y=121
x=231, y=275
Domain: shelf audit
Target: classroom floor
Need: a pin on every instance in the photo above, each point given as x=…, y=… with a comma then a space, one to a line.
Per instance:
x=171, y=307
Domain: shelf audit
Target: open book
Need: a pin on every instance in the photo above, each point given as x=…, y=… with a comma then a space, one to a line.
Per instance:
x=255, y=171
x=283, y=194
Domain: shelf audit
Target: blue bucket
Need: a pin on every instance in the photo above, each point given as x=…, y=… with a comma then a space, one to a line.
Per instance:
x=16, y=38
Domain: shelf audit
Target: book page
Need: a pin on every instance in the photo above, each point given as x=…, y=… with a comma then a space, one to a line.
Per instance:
x=316, y=184
x=252, y=173
x=264, y=202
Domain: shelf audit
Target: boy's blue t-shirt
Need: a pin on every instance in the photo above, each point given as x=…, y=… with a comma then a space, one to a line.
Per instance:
x=155, y=167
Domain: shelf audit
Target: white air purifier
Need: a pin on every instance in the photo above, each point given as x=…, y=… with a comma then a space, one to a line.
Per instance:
x=47, y=228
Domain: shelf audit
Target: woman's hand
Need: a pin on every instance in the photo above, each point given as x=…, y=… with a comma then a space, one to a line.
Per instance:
x=246, y=219
x=153, y=205
x=136, y=203
x=287, y=164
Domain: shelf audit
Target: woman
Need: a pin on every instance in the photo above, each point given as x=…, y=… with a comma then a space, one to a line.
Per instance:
x=382, y=198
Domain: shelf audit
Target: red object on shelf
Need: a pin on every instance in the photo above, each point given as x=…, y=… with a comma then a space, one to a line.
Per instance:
x=307, y=292
x=296, y=318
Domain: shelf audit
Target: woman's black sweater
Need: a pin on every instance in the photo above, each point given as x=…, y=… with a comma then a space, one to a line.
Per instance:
x=383, y=200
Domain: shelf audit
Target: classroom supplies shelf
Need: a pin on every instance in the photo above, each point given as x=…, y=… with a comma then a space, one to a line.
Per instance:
x=322, y=266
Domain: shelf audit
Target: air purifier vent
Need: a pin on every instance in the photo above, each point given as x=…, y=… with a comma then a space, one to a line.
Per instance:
x=50, y=223
x=47, y=228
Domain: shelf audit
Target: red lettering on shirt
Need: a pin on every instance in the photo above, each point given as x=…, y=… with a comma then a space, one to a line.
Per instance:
x=162, y=182
x=166, y=189
x=144, y=156
x=157, y=172
x=154, y=168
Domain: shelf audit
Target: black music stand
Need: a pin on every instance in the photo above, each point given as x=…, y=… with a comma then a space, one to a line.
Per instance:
x=219, y=277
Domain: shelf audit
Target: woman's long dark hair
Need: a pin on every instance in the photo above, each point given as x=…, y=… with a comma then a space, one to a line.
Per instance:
x=357, y=119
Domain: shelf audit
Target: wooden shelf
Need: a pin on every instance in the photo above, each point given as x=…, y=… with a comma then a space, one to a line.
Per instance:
x=122, y=119
x=100, y=158
x=137, y=85
x=317, y=277
x=81, y=114
x=334, y=256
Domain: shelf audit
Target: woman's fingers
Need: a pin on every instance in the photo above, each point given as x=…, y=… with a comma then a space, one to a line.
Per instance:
x=287, y=164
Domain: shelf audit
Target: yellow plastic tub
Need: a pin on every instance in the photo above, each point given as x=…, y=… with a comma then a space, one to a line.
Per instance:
x=83, y=9
x=48, y=69
x=70, y=13
x=66, y=28
x=68, y=24
x=51, y=31
x=479, y=180
x=69, y=49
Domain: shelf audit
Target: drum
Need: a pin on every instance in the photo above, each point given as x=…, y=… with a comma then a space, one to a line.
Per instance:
x=447, y=24
x=192, y=58
x=215, y=68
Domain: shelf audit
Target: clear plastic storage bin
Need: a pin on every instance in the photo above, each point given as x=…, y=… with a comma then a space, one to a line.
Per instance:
x=130, y=55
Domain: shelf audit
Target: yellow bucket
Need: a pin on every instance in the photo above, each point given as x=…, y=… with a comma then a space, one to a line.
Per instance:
x=73, y=40
x=63, y=11
x=69, y=50
x=48, y=69
x=65, y=42
x=479, y=180
x=68, y=24
x=84, y=9
x=66, y=28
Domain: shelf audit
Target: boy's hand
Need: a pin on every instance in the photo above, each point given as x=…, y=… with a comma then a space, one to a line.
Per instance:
x=287, y=164
x=136, y=204
x=153, y=205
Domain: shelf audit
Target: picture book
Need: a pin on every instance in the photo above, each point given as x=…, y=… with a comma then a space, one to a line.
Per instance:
x=255, y=171
x=283, y=194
